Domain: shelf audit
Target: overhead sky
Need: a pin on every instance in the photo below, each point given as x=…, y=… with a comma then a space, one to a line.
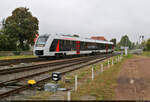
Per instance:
x=108, y=18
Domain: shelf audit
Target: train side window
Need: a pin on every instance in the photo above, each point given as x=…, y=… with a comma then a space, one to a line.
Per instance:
x=103, y=47
x=64, y=45
x=110, y=46
x=68, y=45
x=81, y=46
x=74, y=45
x=86, y=46
x=53, y=45
x=64, y=42
x=61, y=45
x=98, y=46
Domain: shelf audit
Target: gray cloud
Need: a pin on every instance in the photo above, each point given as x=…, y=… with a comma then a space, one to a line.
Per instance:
x=109, y=18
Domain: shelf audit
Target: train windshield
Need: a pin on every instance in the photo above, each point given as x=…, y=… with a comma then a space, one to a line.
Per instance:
x=41, y=41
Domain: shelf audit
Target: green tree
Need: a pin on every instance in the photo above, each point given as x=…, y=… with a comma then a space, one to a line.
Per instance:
x=133, y=45
x=125, y=42
x=148, y=45
x=22, y=27
x=114, y=41
x=6, y=43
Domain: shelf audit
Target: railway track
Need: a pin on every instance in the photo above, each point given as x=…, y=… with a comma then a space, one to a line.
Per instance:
x=60, y=65
x=44, y=75
x=38, y=66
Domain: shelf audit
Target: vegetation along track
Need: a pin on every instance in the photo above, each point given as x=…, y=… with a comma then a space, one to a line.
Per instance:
x=28, y=60
x=44, y=76
x=16, y=61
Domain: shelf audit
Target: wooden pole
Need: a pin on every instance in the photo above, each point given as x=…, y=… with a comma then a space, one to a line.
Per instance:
x=102, y=68
x=76, y=82
x=92, y=73
x=69, y=95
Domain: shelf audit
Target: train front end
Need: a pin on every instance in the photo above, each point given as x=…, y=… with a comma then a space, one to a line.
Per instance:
x=40, y=46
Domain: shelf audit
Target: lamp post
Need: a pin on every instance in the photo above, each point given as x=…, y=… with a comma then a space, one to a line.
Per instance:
x=141, y=39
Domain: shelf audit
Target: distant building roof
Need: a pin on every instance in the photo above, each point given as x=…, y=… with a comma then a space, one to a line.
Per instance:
x=98, y=38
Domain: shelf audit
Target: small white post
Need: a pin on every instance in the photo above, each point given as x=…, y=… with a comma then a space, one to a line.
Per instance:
x=69, y=95
x=118, y=59
x=112, y=62
x=102, y=68
x=92, y=73
x=108, y=64
x=76, y=82
x=121, y=57
x=126, y=51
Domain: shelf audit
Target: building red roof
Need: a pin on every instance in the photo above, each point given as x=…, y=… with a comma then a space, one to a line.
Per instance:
x=98, y=38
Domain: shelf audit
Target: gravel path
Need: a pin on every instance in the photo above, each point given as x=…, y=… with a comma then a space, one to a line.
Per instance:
x=134, y=80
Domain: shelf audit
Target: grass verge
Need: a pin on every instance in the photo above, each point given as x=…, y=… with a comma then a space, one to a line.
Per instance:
x=16, y=57
x=102, y=88
x=146, y=53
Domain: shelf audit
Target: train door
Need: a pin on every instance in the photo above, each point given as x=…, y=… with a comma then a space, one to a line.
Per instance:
x=77, y=47
x=106, y=48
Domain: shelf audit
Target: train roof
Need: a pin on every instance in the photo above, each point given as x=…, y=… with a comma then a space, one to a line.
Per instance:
x=69, y=37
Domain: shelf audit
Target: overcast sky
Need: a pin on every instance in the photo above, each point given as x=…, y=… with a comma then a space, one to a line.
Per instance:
x=108, y=18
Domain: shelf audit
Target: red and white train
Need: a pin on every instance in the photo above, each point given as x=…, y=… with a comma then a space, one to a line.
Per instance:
x=63, y=45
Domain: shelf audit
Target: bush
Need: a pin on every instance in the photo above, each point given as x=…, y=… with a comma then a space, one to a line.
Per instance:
x=148, y=45
x=16, y=52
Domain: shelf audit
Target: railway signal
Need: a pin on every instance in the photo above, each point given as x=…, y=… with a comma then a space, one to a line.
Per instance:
x=56, y=76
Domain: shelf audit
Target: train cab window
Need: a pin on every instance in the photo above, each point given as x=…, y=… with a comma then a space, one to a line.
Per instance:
x=41, y=41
